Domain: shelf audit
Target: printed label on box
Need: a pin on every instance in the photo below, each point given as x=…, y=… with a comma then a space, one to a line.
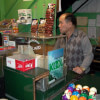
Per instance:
x=25, y=65
x=25, y=16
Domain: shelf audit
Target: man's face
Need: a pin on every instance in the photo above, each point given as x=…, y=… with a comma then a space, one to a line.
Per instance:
x=63, y=25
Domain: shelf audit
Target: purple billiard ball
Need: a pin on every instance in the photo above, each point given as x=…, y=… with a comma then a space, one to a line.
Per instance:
x=70, y=88
x=64, y=97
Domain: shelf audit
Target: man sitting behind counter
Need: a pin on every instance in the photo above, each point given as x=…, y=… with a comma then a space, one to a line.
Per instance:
x=78, y=47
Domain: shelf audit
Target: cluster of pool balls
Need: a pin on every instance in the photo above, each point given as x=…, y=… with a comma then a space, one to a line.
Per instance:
x=79, y=92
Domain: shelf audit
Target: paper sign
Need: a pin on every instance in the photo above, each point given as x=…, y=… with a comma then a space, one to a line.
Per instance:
x=82, y=21
x=92, y=32
x=55, y=64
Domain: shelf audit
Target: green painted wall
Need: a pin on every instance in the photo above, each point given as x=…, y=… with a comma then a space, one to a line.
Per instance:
x=38, y=10
x=2, y=10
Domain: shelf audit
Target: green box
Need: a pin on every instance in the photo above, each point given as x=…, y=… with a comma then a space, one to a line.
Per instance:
x=24, y=28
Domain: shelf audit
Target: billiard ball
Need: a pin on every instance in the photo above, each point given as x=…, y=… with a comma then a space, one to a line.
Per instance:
x=68, y=92
x=92, y=93
x=92, y=97
x=67, y=96
x=84, y=95
x=86, y=87
x=70, y=88
x=85, y=91
x=73, y=97
x=82, y=98
x=64, y=97
x=77, y=89
x=72, y=85
x=78, y=86
x=76, y=93
x=93, y=89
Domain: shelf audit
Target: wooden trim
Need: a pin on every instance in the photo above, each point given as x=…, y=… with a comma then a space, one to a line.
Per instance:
x=36, y=79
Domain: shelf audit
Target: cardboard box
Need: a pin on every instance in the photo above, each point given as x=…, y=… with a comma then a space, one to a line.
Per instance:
x=25, y=16
x=10, y=62
x=20, y=62
x=41, y=61
x=25, y=65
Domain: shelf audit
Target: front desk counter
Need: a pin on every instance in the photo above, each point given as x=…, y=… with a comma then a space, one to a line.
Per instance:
x=22, y=88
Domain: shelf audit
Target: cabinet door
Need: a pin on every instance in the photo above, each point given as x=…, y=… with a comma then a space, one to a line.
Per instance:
x=28, y=88
x=18, y=85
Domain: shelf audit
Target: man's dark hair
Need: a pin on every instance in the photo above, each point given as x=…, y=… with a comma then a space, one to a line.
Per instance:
x=71, y=18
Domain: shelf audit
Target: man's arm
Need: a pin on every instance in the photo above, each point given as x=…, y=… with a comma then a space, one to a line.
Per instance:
x=87, y=52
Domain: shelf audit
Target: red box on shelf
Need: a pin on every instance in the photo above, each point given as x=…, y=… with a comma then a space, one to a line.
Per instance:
x=20, y=62
x=25, y=65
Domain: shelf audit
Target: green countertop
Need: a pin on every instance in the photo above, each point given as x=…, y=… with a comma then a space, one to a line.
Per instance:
x=32, y=73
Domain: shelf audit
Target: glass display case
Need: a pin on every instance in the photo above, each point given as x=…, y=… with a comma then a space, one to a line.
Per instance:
x=5, y=50
x=47, y=55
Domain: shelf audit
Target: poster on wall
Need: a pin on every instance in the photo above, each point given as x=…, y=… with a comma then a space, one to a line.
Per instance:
x=92, y=32
x=82, y=21
x=55, y=64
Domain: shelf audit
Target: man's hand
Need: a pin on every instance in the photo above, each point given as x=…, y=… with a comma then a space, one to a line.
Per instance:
x=78, y=70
